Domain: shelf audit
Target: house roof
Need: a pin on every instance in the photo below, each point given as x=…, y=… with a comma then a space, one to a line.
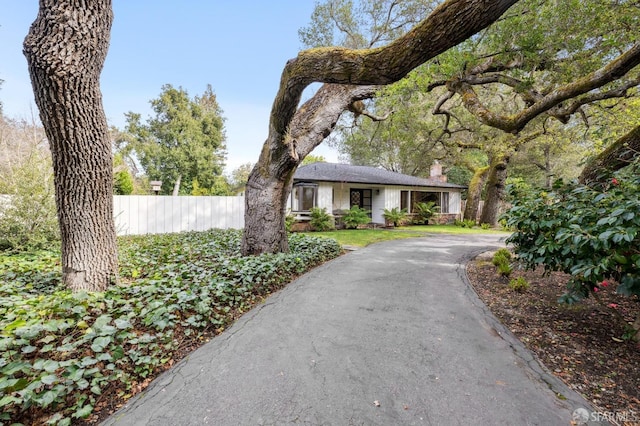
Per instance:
x=332, y=172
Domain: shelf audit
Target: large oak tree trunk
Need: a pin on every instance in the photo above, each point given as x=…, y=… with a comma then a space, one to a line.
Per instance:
x=269, y=186
x=288, y=142
x=495, y=190
x=65, y=48
x=474, y=193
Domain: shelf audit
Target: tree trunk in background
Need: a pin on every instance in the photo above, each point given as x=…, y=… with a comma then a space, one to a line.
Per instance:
x=474, y=193
x=65, y=48
x=270, y=181
x=618, y=155
x=495, y=190
x=176, y=186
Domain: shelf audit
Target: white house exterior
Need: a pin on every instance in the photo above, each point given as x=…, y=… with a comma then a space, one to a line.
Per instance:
x=337, y=187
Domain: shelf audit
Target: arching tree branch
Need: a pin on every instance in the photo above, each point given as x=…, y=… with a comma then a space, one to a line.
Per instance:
x=514, y=123
x=451, y=23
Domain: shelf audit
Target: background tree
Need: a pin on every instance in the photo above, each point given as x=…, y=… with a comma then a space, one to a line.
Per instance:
x=239, y=178
x=499, y=79
x=310, y=159
x=65, y=69
x=27, y=202
x=183, y=143
x=122, y=177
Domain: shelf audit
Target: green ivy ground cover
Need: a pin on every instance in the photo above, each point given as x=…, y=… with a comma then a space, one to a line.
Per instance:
x=61, y=352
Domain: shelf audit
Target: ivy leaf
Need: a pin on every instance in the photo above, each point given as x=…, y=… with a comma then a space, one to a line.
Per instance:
x=99, y=343
x=49, y=379
x=83, y=411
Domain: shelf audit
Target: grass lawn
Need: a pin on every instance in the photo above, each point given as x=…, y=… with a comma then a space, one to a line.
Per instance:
x=364, y=237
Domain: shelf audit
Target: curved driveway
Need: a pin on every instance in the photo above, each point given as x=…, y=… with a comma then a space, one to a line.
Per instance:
x=391, y=334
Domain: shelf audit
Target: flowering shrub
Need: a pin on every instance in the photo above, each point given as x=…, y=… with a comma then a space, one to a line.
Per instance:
x=590, y=232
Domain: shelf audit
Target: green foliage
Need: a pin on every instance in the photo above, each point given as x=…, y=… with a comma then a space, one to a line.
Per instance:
x=289, y=220
x=485, y=225
x=122, y=183
x=504, y=268
x=321, y=220
x=310, y=159
x=502, y=260
x=361, y=24
x=28, y=210
x=185, y=140
x=425, y=211
x=466, y=223
x=59, y=351
x=519, y=284
x=394, y=215
x=355, y=217
x=239, y=178
x=500, y=256
x=591, y=233
x=220, y=187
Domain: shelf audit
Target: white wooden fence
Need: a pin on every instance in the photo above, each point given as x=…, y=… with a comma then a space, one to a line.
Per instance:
x=157, y=214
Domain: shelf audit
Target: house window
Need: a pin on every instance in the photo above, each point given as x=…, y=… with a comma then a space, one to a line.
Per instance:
x=305, y=197
x=404, y=200
x=424, y=197
x=444, y=206
x=441, y=199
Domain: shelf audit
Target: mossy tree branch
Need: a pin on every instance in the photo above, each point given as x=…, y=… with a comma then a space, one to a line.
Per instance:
x=577, y=91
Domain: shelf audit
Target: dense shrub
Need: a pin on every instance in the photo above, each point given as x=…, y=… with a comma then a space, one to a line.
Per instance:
x=590, y=232
x=321, y=220
x=60, y=351
x=28, y=212
x=519, y=284
x=355, y=217
x=502, y=261
x=466, y=223
x=395, y=216
x=425, y=211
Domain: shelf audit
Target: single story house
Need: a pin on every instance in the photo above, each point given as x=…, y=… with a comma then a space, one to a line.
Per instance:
x=337, y=187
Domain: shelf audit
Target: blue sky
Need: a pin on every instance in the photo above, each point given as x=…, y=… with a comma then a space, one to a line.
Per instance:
x=239, y=47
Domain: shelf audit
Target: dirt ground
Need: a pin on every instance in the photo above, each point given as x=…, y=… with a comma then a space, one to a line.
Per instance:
x=582, y=344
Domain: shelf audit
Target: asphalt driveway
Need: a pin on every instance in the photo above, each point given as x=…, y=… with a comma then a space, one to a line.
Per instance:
x=391, y=334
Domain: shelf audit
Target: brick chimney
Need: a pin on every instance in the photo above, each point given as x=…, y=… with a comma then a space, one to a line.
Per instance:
x=436, y=172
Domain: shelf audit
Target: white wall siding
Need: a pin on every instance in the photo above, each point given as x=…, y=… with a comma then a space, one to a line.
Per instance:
x=378, y=204
x=156, y=214
x=455, y=202
x=341, y=197
x=325, y=197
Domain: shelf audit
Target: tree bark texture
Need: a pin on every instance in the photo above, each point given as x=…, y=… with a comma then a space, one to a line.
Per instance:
x=496, y=183
x=269, y=183
x=65, y=49
x=474, y=193
x=618, y=155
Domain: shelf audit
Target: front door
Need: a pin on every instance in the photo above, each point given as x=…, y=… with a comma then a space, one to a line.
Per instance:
x=361, y=198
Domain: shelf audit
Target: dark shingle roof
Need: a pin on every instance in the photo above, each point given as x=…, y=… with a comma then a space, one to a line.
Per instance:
x=331, y=172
